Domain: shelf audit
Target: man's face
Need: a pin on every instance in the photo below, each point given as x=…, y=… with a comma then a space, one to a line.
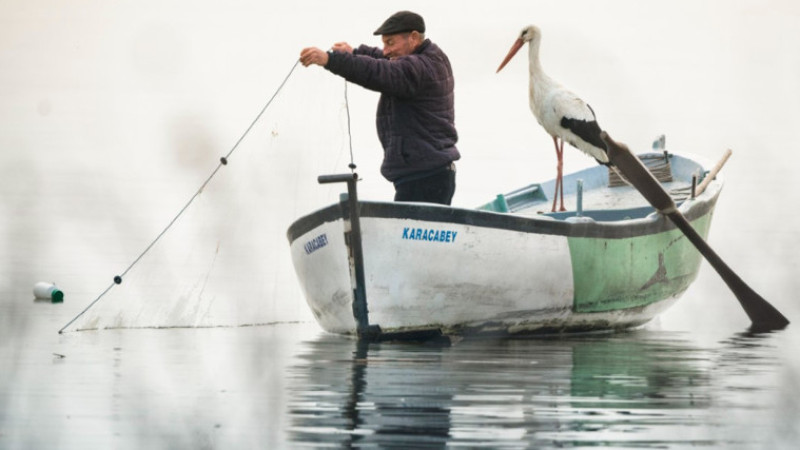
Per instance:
x=397, y=45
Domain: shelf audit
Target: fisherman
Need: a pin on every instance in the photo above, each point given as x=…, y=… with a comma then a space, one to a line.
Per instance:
x=415, y=117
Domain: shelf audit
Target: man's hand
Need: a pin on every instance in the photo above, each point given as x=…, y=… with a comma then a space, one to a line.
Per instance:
x=343, y=47
x=313, y=55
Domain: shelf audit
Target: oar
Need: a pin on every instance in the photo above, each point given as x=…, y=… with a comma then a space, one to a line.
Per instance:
x=763, y=315
x=713, y=173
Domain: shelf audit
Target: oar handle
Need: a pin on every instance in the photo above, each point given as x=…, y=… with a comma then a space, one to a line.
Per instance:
x=713, y=174
x=637, y=174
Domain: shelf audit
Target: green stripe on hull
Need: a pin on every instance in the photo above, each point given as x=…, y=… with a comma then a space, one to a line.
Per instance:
x=613, y=274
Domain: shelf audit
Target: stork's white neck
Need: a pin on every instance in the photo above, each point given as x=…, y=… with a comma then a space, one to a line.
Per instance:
x=533, y=56
x=540, y=83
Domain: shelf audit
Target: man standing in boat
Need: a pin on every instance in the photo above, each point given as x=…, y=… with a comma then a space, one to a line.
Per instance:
x=415, y=117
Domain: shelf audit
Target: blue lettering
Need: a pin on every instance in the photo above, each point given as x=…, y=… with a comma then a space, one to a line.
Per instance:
x=429, y=235
x=316, y=244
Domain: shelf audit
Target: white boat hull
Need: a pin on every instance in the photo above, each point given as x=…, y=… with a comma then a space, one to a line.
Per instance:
x=464, y=271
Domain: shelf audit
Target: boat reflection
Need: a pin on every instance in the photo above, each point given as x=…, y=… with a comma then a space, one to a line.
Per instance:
x=641, y=388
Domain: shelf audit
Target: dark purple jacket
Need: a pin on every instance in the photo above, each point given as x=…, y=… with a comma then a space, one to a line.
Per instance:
x=415, y=118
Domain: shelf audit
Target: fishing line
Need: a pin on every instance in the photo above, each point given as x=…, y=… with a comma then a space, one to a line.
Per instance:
x=223, y=161
x=352, y=165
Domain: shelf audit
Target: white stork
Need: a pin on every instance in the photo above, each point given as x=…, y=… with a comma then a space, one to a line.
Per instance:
x=563, y=115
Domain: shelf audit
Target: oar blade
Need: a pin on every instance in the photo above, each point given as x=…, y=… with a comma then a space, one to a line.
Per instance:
x=762, y=314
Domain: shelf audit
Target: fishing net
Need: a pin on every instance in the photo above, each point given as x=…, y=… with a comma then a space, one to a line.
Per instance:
x=225, y=261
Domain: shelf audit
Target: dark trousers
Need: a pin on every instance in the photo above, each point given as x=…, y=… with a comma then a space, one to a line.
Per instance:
x=438, y=187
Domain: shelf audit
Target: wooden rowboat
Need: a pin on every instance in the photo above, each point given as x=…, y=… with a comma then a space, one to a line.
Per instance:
x=508, y=266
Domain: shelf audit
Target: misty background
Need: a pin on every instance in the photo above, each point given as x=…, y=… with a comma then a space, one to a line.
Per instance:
x=113, y=114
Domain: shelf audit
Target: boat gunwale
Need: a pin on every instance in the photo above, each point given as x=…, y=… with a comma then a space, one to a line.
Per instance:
x=575, y=226
x=571, y=227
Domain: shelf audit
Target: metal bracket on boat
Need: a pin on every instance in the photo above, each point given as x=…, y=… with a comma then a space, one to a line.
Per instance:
x=352, y=238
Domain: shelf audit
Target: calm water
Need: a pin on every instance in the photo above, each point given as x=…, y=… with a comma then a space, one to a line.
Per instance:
x=644, y=389
x=290, y=385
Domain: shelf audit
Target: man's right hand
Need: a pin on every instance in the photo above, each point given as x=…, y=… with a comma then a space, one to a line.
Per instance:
x=313, y=55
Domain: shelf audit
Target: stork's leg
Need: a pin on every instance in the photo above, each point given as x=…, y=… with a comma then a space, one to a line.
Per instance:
x=559, y=190
x=558, y=173
x=561, y=173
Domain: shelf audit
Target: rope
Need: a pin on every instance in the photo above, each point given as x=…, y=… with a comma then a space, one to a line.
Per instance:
x=222, y=162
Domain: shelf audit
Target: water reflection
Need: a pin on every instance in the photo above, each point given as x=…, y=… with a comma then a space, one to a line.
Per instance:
x=640, y=389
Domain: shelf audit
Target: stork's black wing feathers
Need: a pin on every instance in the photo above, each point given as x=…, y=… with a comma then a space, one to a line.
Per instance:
x=588, y=130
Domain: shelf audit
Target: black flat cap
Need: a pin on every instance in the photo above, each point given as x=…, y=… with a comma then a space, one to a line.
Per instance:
x=401, y=22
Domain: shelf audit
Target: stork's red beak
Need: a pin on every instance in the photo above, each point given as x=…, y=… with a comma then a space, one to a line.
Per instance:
x=514, y=49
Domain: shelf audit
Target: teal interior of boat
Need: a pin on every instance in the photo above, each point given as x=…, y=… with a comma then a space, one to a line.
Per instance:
x=680, y=170
x=606, y=215
x=530, y=195
x=516, y=200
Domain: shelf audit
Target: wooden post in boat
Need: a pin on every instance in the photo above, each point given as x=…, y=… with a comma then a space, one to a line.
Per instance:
x=352, y=238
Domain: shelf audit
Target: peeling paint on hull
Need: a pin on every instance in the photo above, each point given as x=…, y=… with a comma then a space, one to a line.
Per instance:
x=612, y=274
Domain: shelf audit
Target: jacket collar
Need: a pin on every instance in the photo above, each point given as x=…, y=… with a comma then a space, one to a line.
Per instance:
x=425, y=44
